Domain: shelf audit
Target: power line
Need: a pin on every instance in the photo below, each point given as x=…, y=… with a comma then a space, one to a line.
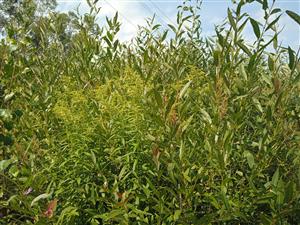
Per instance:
x=152, y=2
x=128, y=20
x=170, y=1
x=206, y=1
x=138, y=1
x=151, y=12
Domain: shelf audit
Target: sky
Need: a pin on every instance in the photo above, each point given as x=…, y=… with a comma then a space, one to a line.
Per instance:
x=134, y=12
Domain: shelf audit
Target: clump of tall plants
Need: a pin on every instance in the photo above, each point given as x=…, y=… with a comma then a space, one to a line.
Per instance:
x=171, y=128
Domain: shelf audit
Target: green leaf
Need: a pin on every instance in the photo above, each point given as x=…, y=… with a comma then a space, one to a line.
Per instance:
x=224, y=197
x=221, y=39
x=122, y=172
x=242, y=26
x=42, y=196
x=186, y=175
x=271, y=63
x=186, y=123
x=294, y=16
x=230, y=18
x=116, y=43
x=172, y=27
x=177, y=215
x=116, y=18
x=243, y=72
x=265, y=4
x=69, y=212
x=156, y=26
x=270, y=26
x=240, y=173
x=255, y=27
x=110, y=36
x=250, y=159
x=258, y=105
x=5, y=114
x=238, y=11
x=275, y=177
x=251, y=63
x=181, y=150
x=206, y=117
x=275, y=42
x=107, y=41
x=216, y=55
x=265, y=219
x=291, y=58
x=244, y=48
x=164, y=36
x=150, y=137
x=6, y=163
x=114, y=214
x=277, y=10
x=184, y=89
x=186, y=18
x=89, y=3
x=9, y=97
x=289, y=191
x=158, y=98
x=93, y=158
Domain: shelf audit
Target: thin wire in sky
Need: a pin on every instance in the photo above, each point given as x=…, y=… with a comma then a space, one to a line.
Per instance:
x=153, y=3
x=152, y=12
x=128, y=20
x=170, y=1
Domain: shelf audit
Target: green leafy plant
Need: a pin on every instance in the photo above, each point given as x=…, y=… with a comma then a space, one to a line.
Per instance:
x=171, y=128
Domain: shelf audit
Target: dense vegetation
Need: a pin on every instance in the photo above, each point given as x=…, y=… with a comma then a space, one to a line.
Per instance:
x=170, y=128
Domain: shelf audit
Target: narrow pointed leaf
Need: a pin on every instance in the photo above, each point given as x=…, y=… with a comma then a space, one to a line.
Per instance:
x=42, y=196
x=231, y=20
x=244, y=48
x=294, y=16
x=255, y=27
x=291, y=58
x=184, y=89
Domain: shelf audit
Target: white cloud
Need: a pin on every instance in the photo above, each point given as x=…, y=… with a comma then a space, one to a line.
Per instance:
x=134, y=12
x=131, y=14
